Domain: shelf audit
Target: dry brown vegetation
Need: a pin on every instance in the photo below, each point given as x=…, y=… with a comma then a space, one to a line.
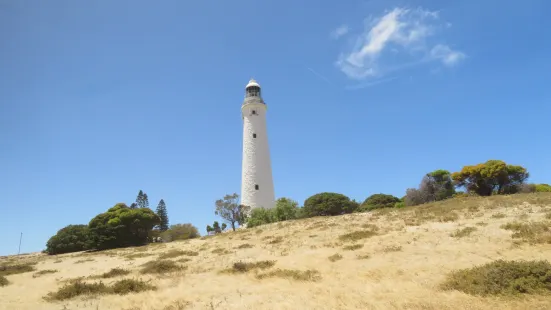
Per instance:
x=464, y=253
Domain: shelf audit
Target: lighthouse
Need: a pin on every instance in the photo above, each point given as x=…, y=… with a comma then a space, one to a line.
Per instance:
x=257, y=185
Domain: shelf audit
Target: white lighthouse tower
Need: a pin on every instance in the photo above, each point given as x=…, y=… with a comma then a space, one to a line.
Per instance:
x=257, y=185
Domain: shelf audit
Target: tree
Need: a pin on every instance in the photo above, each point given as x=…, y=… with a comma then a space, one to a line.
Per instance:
x=122, y=226
x=543, y=188
x=71, y=238
x=285, y=209
x=491, y=177
x=415, y=197
x=438, y=185
x=163, y=215
x=209, y=229
x=231, y=211
x=181, y=232
x=260, y=216
x=323, y=204
x=142, y=201
x=216, y=227
x=378, y=201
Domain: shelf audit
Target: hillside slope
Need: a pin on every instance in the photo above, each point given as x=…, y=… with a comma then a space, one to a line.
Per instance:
x=389, y=259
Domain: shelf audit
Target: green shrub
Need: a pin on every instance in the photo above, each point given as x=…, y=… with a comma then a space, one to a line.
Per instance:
x=543, y=188
x=324, y=204
x=72, y=238
x=78, y=288
x=335, y=257
x=4, y=281
x=242, y=267
x=378, y=201
x=464, y=232
x=502, y=278
x=43, y=272
x=260, y=216
x=532, y=232
x=357, y=235
x=353, y=247
x=6, y=270
x=180, y=232
x=122, y=226
x=160, y=266
x=172, y=254
x=127, y=286
x=115, y=272
x=298, y=275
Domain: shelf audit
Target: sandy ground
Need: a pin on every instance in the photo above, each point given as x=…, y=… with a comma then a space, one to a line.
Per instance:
x=406, y=263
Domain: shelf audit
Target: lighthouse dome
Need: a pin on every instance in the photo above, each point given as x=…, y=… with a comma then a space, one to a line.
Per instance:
x=252, y=83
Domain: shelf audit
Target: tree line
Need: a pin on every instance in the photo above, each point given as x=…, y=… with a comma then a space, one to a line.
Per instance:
x=135, y=225
x=120, y=226
x=493, y=177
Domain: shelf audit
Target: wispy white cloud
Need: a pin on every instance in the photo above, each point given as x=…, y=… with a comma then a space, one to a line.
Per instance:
x=319, y=75
x=339, y=32
x=398, y=39
x=366, y=84
x=448, y=56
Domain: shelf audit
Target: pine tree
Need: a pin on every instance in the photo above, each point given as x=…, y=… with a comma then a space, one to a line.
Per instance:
x=139, y=199
x=162, y=213
x=145, y=201
x=142, y=201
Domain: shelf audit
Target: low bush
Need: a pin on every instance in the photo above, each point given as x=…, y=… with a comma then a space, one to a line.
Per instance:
x=180, y=232
x=127, y=286
x=160, y=267
x=243, y=267
x=6, y=270
x=502, y=278
x=72, y=238
x=378, y=201
x=4, y=281
x=78, y=288
x=172, y=254
x=532, y=232
x=335, y=257
x=115, y=272
x=463, y=232
x=43, y=272
x=329, y=204
x=298, y=275
x=357, y=235
x=353, y=247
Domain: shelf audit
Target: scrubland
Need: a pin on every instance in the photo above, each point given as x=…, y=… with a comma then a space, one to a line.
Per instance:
x=410, y=258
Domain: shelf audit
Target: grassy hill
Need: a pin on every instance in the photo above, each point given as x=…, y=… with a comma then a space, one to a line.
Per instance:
x=387, y=259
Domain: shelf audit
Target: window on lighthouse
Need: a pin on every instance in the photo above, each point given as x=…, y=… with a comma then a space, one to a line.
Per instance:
x=256, y=187
x=254, y=135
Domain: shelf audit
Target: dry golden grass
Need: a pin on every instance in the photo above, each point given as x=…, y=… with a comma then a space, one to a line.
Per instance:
x=391, y=259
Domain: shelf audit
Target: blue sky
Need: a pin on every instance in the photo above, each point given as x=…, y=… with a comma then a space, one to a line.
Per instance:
x=99, y=99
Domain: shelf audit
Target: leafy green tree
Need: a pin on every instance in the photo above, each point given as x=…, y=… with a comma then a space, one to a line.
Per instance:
x=181, y=232
x=209, y=229
x=378, y=201
x=260, y=216
x=285, y=209
x=163, y=215
x=491, y=177
x=231, y=211
x=323, y=204
x=540, y=188
x=216, y=227
x=438, y=185
x=122, y=226
x=72, y=238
